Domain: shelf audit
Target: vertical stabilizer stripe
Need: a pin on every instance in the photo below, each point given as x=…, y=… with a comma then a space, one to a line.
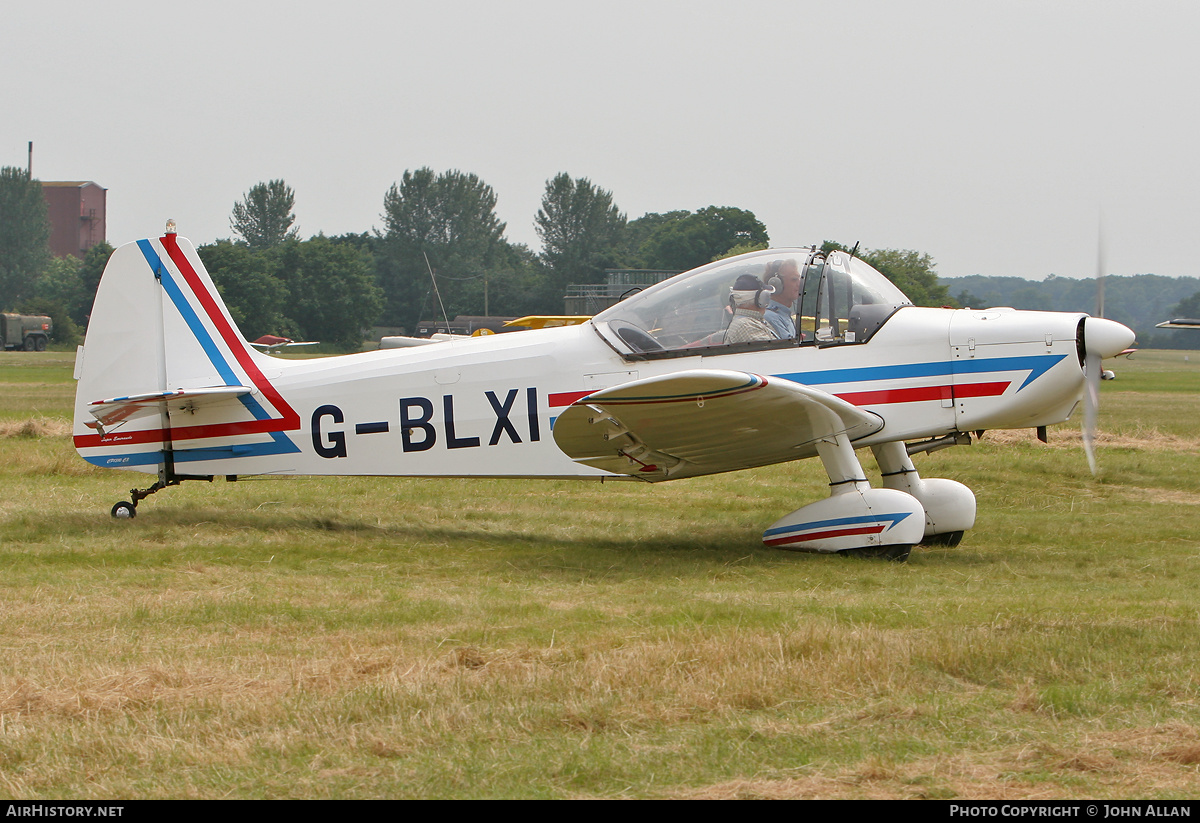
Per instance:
x=231, y=336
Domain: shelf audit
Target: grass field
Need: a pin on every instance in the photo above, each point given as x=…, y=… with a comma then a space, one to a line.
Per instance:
x=347, y=638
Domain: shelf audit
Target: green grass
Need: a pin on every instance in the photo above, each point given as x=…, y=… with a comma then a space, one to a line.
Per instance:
x=353, y=637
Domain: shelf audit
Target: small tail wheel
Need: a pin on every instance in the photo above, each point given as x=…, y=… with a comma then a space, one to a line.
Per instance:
x=124, y=510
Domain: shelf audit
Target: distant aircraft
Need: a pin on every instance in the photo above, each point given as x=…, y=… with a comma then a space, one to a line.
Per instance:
x=654, y=388
x=271, y=343
x=549, y=321
x=1179, y=323
x=533, y=321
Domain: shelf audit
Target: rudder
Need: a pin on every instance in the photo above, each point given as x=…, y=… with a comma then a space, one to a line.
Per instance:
x=165, y=376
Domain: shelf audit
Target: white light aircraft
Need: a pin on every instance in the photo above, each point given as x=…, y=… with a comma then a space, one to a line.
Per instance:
x=272, y=343
x=651, y=389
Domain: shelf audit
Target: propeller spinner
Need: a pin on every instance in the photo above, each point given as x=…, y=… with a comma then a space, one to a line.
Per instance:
x=1098, y=339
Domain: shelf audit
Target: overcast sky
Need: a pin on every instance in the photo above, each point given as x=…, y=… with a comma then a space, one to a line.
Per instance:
x=990, y=135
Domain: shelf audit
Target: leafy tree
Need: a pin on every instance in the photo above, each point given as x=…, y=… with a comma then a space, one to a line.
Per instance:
x=966, y=300
x=57, y=292
x=638, y=231
x=742, y=248
x=580, y=230
x=59, y=282
x=1031, y=299
x=264, y=217
x=90, y=272
x=319, y=289
x=333, y=296
x=24, y=235
x=684, y=240
x=65, y=289
x=911, y=271
x=518, y=287
x=446, y=222
x=65, y=331
x=247, y=280
x=1139, y=301
x=366, y=241
x=1187, y=307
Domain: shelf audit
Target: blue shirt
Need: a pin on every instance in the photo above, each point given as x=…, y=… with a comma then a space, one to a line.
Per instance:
x=779, y=318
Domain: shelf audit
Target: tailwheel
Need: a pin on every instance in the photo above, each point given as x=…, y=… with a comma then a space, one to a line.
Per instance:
x=124, y=510
x=897, y=553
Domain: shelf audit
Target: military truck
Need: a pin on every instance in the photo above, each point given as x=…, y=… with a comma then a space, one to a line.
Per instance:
x=24, y=331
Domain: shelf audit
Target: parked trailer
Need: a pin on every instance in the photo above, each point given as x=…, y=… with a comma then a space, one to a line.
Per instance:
x=24, y=331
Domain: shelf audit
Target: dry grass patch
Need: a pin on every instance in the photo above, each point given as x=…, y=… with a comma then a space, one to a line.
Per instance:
x=1161, y=496
x=36, y=428
x=1145, y=438
x=118, y=692
x=1155, y=762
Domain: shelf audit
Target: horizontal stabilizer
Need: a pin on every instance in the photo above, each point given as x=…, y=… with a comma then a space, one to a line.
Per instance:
x=117, y=410
x=704, y=421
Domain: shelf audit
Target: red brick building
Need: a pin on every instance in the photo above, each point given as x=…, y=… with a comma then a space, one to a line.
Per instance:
x=77, y=216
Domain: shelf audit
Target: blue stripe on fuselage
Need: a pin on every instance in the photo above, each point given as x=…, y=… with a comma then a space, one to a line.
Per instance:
x=1037, y=365
x=892, y=519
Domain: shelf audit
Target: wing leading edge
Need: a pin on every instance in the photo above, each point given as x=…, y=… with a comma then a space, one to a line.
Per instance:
x=704, y=421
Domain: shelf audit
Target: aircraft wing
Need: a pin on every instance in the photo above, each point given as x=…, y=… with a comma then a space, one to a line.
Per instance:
x=703, y=421
x=117, y=410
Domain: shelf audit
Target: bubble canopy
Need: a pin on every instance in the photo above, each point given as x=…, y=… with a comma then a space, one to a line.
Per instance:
x=766, y=299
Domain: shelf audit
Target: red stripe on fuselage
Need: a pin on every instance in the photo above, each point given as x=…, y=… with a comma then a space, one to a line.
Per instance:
x=801, y=538
x=178, y=433
x=924, y=393
x=980, y=389
x=864, y=398
x=565, y=398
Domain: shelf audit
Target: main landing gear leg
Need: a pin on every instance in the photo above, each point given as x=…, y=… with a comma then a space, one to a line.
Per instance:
x=949, y=505
x=127, y=509
x=855, y=519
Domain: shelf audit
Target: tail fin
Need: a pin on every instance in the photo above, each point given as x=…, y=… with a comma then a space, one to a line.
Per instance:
x=164, y=375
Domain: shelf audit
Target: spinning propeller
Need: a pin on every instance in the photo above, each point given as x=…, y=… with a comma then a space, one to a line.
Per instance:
x=1098, y=338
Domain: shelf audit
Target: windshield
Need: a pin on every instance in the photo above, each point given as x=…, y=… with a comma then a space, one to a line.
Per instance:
x=768, y=299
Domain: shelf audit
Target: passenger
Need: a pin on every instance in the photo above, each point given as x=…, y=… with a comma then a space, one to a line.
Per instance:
x=749, y=298
x=784, y=276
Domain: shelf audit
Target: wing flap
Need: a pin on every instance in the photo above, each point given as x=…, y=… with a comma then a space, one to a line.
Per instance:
x=704, y=421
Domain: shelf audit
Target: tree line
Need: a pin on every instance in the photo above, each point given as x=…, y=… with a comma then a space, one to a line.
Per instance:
x=440, y=248
x=1139, y=301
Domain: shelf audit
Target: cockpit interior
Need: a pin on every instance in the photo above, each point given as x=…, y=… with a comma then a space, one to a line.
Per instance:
x=828, y=298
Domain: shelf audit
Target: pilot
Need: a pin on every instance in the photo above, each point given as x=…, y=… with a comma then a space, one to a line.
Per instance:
x=749, y=298
x=784, y=276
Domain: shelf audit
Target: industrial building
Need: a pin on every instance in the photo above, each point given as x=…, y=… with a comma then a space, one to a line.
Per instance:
x=76, y=211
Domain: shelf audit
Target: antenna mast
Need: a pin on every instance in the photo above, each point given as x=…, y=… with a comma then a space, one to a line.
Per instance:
x=436, y=292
